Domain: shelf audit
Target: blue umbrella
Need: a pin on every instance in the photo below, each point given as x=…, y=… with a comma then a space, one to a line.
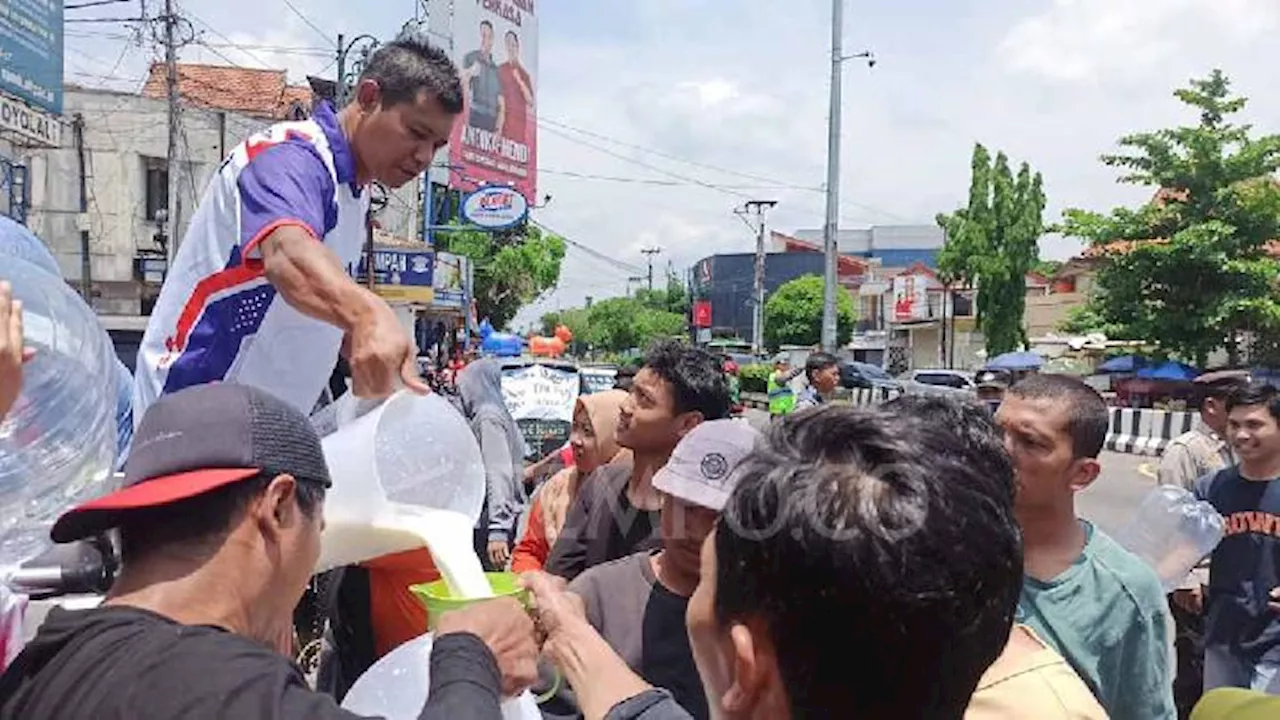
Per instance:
x=1123, y=364
x=1014, y=361
x=1169, y=371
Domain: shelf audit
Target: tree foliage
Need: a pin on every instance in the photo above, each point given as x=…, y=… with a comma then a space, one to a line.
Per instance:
x=511, y=269
x=793, y=314
x=1193, y=274
x=622, y=323
x=991, y=245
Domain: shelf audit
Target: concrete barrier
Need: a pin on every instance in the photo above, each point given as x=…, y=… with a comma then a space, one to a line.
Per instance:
x=1131, y=431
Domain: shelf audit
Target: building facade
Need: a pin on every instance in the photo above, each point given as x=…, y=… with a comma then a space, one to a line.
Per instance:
x=111, y=237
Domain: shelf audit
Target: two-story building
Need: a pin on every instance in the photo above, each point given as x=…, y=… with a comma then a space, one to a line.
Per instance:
x=100, y=198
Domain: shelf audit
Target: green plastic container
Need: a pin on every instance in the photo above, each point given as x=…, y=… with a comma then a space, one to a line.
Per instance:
x=435, y=596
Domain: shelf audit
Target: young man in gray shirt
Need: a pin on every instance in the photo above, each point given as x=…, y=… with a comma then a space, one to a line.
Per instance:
x=638, y=603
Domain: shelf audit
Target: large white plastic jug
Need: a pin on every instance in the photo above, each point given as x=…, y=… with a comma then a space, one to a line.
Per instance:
x=58, y=443
x=1172, y=531
x=396, y=687
x=406, y=458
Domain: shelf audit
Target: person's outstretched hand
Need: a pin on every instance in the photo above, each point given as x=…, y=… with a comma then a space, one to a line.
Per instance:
x=381, y=353
x=12, y=352
x=506, y=629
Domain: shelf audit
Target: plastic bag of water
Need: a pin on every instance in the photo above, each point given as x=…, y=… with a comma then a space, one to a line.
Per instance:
x=1172, y=531
x=57, y=445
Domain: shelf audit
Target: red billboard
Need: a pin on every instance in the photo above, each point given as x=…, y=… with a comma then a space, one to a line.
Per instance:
x=496, y=140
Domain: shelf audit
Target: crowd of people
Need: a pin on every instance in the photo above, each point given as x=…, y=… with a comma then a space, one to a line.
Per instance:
x=919, y=559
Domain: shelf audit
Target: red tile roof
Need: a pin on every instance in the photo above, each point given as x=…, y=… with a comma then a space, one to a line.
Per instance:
x=259, y=93
x=845, y=264
x=1162, y=196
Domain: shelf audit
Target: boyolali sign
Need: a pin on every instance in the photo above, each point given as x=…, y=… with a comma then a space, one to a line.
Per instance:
x=33, y=125
x=495, y=207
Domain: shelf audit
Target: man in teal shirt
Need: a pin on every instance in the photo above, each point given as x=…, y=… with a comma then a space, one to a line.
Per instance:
x=1096, y=603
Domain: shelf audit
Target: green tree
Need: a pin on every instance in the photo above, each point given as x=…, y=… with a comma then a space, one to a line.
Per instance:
x=1189, y=271
x=991, y=244
x=793, y=314
x=511, y=269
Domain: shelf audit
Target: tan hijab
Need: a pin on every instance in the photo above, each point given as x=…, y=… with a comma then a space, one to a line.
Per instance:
x=558, y=494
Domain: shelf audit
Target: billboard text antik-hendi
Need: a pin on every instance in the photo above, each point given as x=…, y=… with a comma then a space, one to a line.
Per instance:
x=496, y=141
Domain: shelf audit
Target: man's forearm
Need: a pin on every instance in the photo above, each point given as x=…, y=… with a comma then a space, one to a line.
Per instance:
x=311, y=279
x=599, y=678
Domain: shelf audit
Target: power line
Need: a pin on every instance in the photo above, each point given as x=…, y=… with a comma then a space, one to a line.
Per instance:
x=327, y=37
x=95, y=3
x=659, y=153
x=105, y=20
x=727, y=189
x=594, y=253
x=643, y=164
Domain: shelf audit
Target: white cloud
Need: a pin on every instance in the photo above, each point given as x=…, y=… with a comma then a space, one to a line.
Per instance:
x=1080, y=40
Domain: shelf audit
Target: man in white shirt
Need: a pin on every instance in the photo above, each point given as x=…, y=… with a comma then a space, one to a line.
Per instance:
x=260, y=292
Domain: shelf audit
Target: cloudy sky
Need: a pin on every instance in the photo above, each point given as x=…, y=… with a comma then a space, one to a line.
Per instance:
x=659, y=117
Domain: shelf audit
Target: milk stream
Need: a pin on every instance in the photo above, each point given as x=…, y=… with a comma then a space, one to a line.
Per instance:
x=447, y=534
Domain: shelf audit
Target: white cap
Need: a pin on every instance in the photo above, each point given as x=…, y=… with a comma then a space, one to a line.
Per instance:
x=701, y=467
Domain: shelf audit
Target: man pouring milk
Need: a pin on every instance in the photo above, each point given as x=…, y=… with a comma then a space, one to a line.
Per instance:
x=259, y=294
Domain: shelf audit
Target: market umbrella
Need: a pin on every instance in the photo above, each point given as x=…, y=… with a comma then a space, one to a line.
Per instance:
x=1123, y=364
x=1014, y=361
x=1169, y=371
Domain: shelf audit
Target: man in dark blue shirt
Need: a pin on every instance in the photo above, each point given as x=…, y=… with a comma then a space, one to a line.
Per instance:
x=1242, y=627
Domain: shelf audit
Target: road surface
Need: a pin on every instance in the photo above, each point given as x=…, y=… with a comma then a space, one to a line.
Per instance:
x=1112, y=499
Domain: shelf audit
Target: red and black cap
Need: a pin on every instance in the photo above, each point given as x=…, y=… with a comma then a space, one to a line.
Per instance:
x=198, y=440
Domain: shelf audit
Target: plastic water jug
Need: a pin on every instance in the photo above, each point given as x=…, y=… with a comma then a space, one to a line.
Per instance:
x=58, y=443
x=407, y=456
x=1172, y=531
x=396, y=687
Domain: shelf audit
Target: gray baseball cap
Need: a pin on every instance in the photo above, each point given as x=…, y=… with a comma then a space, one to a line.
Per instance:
x=701, y=467
x=198, y=440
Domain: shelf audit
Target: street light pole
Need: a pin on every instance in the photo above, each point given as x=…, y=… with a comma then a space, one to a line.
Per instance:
x=830, y=228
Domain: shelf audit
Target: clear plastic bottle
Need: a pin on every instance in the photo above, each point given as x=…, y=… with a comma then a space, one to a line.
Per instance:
x=1172, y=531
x=58, y=442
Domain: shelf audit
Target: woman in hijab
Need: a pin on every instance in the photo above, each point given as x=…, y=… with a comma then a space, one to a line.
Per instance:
x=594, y=443
x=502, y=450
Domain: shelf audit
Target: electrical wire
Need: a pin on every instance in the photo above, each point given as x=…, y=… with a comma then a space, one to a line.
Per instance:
x=328, y=38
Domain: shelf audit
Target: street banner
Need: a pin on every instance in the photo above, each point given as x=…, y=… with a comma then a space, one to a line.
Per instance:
x=538, y=392
x=496, y=49
x=31, y=57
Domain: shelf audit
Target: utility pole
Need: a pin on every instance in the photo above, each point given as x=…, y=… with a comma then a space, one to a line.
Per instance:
x=758, y=208
x=649, y=253
x=830, y=229
x=172, y=161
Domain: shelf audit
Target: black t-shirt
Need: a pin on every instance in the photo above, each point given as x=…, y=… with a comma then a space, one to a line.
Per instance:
x=1245, y=566
x=121, y=663
x=644, y=623
x=603, y=525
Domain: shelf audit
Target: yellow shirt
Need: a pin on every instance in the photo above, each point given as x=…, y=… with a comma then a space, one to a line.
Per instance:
x=1236, y=704
x=1030, y=680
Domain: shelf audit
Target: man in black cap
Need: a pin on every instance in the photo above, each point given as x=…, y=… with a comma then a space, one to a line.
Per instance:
x=220, y=519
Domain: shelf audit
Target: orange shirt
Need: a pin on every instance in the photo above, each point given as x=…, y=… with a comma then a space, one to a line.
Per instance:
x=532, y=551
x=398, y=616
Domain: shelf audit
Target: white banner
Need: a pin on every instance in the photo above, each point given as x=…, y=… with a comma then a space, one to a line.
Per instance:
x=538, y=392
x=31, y=124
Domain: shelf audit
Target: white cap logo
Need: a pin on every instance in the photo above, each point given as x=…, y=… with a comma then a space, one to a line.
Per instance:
x=714, y=467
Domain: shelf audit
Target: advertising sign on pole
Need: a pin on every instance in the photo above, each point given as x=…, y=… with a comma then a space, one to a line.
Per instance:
x=910, y=297
x=495, y=207
x=401, y=275
x=31, y=52
x=496, y=48
x=450, y=281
